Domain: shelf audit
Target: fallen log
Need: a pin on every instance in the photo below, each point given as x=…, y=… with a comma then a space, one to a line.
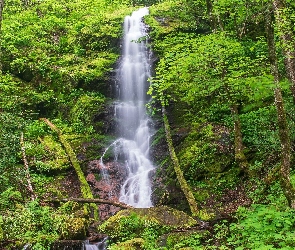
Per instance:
x=85, y=188
x=85, y=200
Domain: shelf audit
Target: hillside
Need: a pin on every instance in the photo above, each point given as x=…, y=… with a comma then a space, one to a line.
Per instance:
x=222, y=96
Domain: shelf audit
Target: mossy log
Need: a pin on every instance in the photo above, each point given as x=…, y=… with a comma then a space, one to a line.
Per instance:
x=183, y=184
x=85, y=188
x=84, y=200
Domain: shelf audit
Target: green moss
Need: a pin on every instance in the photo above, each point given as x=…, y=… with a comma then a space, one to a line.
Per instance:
x=201, y=194
x=140, y=222
x=133, y=244
x=84, y=111
x=205, y=215
x=75, y=228
x=48, y=155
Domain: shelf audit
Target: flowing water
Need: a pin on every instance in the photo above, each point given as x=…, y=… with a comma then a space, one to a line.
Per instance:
x=132, y=146
x=97, y=246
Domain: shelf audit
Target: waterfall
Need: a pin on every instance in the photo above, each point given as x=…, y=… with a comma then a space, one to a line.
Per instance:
x=130, y=112
x=133, y=121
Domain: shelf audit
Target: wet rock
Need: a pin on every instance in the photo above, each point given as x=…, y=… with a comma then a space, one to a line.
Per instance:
x=67, y=244
x=106, y=187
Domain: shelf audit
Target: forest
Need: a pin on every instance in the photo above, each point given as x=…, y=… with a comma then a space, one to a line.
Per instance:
x=221, y=98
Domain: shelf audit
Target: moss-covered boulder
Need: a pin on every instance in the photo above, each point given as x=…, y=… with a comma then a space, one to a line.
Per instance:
x=134, y=244
x=145, y=223
x=75, y=228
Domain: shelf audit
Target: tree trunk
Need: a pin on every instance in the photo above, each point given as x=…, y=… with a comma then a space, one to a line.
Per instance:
x=183, y=184
x=1, y=11
x=84, y=200
x=26, y=166
x=285, y=30
x=286, y=184
x=25, y=3
x=212, y=18
x=85, y=189
x=1, y=17
x=239, y=146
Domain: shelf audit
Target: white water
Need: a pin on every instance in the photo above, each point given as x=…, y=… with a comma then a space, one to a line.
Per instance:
x=130, y=112
x=97, y=246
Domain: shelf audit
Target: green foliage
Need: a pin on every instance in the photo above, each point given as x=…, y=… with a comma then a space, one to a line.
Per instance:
x=47, y=155
x=30, y=224
x=11, y=173
x=9, y=198
x=40, y=225
x=198, y=152
x=263, y=227
x=190, y=240
x=83, y=112
x=206, y=67
x=45, y=185
x=62, y=43
x=134, y=226
x=260, y=130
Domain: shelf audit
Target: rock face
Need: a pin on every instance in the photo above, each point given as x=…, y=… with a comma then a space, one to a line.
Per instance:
x=107, y=188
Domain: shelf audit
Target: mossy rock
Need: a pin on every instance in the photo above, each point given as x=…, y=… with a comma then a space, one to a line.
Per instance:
x=134, y=222
x=166, y=216
x=163, y=215
x=75, y=229
x=133, y=244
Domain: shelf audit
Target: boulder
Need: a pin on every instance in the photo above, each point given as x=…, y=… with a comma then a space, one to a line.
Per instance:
x=136, y=222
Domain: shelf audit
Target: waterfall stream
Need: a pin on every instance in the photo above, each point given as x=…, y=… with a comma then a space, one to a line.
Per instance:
x=130, y=112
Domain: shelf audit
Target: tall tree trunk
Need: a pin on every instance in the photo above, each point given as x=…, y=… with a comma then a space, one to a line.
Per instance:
x=85, y=189
x=286, y=184
x=212, y=18
x=183, y=184
x=1, y=11
x=1, y=17
x=285, y=30
x=239, y=146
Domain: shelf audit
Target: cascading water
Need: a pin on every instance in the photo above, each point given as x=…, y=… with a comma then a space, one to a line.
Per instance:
x=97, y=246
x=130, y=112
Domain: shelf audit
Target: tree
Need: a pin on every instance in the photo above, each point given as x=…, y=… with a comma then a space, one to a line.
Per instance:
x=183, y=184
x=284, y=26
x=211, y=68
x=1, y=13
x=286, y=184
x=85, y=188
x=1, y=10
x=240, y=18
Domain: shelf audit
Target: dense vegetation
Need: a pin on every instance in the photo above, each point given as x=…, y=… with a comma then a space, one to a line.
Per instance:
x=225, y=81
